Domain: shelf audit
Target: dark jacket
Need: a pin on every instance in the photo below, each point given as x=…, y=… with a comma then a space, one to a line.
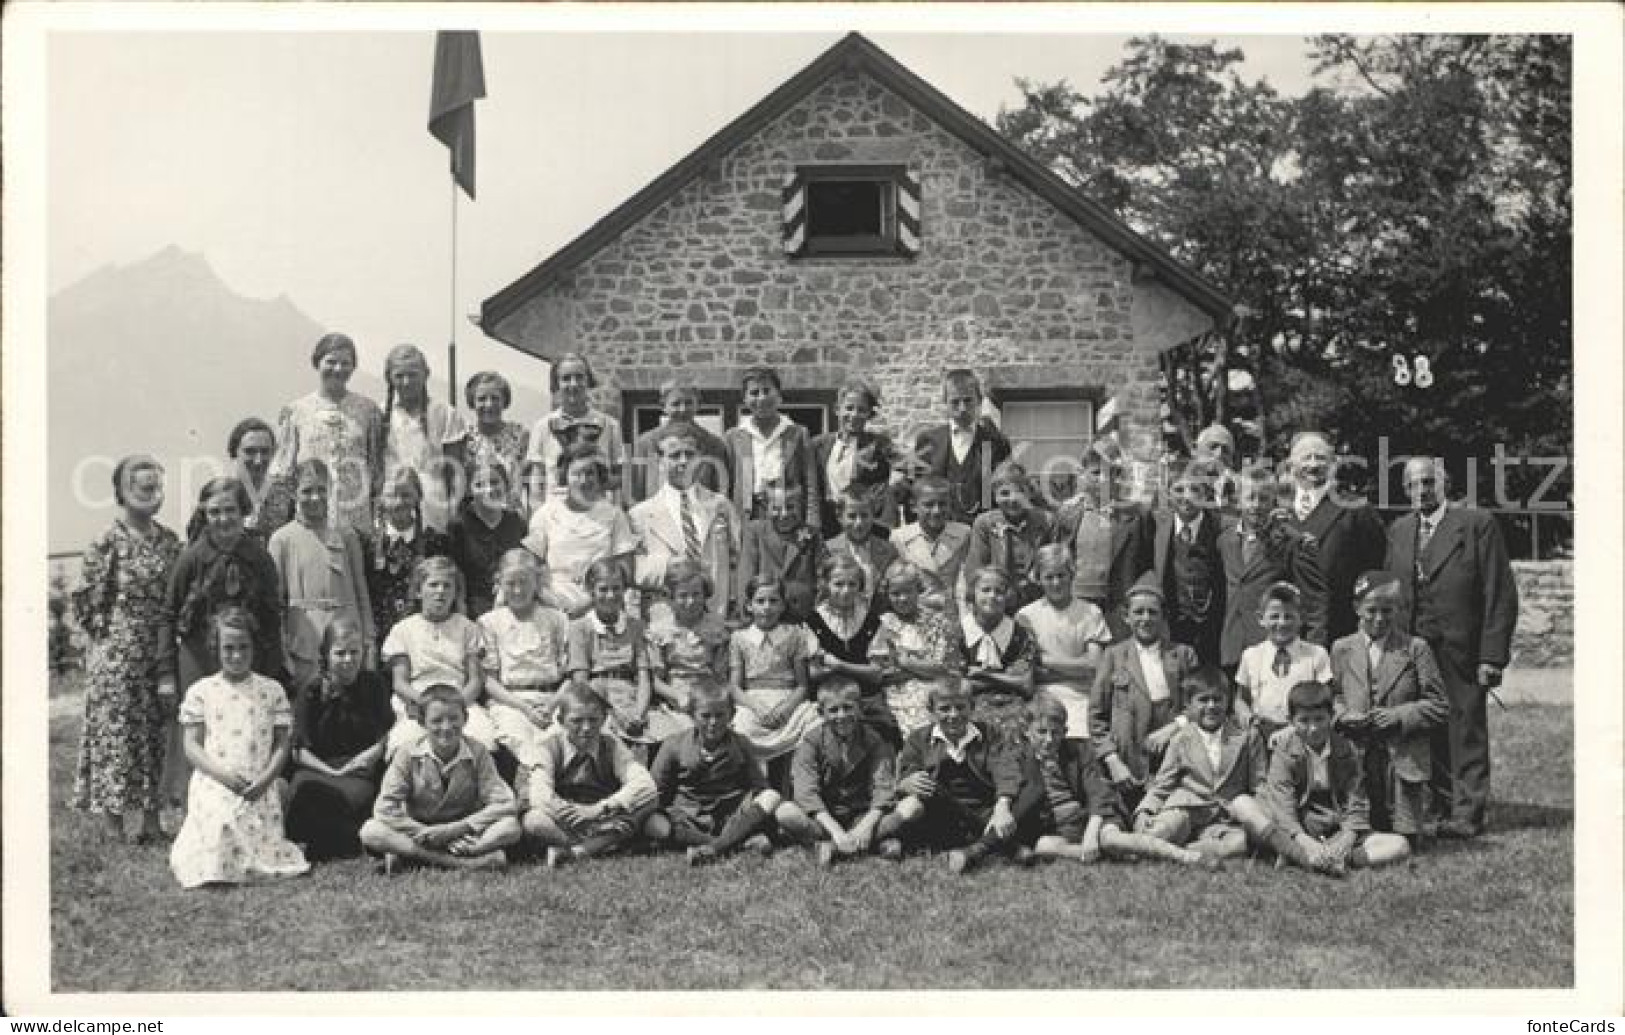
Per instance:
x=970, y=494
x=1349, y=541
x=1463, y=596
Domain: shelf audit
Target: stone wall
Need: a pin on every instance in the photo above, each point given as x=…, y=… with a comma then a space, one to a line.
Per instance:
x=1003, y=283
x=1545, y=634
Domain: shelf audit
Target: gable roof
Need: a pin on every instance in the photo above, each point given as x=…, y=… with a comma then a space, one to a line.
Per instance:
x=855, y=53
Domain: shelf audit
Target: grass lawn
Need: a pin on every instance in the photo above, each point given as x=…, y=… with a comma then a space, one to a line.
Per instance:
x=1494, y=913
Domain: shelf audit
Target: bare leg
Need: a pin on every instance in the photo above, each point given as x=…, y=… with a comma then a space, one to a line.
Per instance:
x=1053, y=846
x=797, y=825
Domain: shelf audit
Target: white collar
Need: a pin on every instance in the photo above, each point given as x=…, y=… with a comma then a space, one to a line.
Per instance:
x=1194, y=524
x=1432, y=520
x=424, y=749
x=394, y=535
x=570, y=751
x=959, y=434
x=1316, y=493
x=749, y=424
x=755, y=636
x=598, y=626
x=1153, y=649
x=972, y=734
x=975, y=634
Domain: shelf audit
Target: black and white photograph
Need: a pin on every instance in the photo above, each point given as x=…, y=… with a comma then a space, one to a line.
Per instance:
x=810, y=500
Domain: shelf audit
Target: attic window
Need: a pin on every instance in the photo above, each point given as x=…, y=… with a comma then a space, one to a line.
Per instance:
x=852, y=211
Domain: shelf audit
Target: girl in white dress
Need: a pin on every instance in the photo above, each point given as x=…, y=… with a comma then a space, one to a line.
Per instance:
x=1069, y=634
x=570, y=533
x=439, y=644
x=236, y=727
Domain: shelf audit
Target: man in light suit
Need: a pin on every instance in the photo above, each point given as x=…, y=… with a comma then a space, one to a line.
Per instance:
x=1348, y=534
x=1464, y=603
x=678, y=401
x=685, y=521
x=966, y=450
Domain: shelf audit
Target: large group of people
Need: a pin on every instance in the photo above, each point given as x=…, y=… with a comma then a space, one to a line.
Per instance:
x=437, y=639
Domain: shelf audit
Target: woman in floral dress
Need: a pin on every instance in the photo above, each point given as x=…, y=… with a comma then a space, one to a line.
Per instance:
x=341, y=428
x=130, y=681
x=236, y=725
x=493, y=439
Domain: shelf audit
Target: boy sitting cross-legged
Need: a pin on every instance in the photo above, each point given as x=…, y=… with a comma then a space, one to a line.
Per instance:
x=961, y=783
x=1316, y=791
x=441, y=802
x=1073, y=812
x=588, y=794
x=1203, y=795
x=844, y=776
x=713, y=794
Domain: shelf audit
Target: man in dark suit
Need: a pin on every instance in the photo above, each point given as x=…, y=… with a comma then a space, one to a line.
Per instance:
x=965, y=450
x=1348, y=534
x=852, y=456
x=1185, y=558
x=678, y=401
x=1464, y=603
x=1263, y=548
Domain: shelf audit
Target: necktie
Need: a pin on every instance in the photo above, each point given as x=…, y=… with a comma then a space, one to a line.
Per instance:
x=1282, y=664
x=1187, y=535
x=1306, y=506
x=1427, y=534
x=1249, y=548
x=1375, y=655
x=1424, y=532
x=691, y=532
x=1010, y=551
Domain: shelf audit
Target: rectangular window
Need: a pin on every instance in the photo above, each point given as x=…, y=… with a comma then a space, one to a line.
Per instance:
x=851, y=210
x=720, y=409
x=1048, y=426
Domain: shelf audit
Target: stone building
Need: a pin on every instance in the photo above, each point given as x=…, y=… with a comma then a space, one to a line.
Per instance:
x=856, y=219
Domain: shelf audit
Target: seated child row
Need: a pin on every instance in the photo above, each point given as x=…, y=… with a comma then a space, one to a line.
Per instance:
x=1010, y=783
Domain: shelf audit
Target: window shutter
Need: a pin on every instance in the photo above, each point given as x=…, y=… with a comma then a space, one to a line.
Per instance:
x=794, y=213
x=908, y=213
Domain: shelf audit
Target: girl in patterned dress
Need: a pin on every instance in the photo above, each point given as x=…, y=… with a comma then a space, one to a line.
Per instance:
x=398, y=544
x=998, y=654
x=494, y=440
x=130, y=676
x=221, y=566
x=767, y=665
x=914, y=648
x=608, y=655
x=690, y=648
x=1069, y=635
x=526, y=645
x=236, y=725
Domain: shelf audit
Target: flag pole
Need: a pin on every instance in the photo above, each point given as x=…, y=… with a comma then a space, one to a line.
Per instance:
x=451, y=332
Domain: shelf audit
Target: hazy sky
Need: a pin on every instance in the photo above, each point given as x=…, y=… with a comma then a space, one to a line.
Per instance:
x=299, y=162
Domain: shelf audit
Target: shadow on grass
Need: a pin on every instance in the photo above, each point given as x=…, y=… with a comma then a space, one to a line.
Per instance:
x=1518, y=815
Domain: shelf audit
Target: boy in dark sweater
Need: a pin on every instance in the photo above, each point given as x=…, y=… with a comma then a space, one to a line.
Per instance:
x=713, y=794
x=959, y=784
x=588, y=794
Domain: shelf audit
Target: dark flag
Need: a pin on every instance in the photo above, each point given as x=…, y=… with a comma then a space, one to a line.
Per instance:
x=459, y=80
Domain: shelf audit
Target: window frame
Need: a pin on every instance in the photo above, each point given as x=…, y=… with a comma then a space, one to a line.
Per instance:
x=1091, y=395
x=730, y=403
x=886, y=243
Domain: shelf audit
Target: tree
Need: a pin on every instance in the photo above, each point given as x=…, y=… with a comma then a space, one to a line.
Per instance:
x=1416, y=202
